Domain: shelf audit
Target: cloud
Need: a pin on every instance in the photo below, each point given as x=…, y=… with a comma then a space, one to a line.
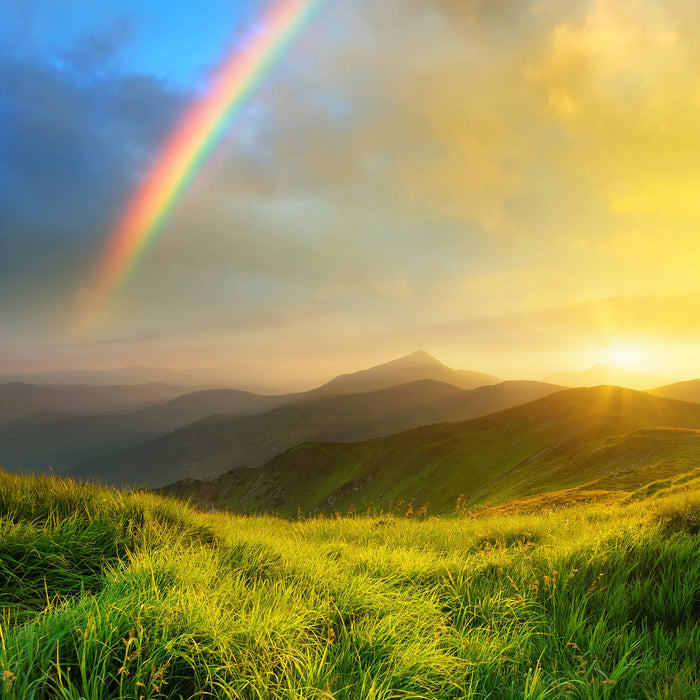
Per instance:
x=73, y=150
x=94, y=52
x=624, y=85
x=406, y=103
x=410, y=170
x=432, y=157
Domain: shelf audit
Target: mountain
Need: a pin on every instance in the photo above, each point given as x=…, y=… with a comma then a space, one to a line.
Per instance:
x=19, y=399
x=61, y=435
x=586, y=438
x=136, y=374
x=218, y=443
x=199, y=404
x=416, y=366
x=683, y=391
x=60, y=439
x=606, y=374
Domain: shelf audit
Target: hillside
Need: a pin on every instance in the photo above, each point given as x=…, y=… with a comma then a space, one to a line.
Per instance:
x=105, y=594
x=219, y=443
x=563, y=441
x=608, y=375
x=414, y=367
x=683, y=391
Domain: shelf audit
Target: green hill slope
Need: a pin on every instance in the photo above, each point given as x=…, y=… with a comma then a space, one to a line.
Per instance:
x=562, y=441
x=219, y=443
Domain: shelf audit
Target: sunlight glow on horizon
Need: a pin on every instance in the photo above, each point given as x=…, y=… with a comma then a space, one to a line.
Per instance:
x=626, y=356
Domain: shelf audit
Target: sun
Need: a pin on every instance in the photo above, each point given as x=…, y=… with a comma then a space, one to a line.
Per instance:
x=624, y=355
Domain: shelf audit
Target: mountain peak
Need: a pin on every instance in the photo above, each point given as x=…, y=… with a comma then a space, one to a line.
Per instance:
x=410, y=368
x=417, y=358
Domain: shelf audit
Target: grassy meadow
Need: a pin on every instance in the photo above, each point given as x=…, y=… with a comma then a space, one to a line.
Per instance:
x=105, y=594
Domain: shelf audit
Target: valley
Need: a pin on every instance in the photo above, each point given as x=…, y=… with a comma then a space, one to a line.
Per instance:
x=411, y=431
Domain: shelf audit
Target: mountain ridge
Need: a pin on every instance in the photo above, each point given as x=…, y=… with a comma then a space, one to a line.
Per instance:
x=688, y=390
x=63, y=441
x=412, y=367
x=561, y=441
x=218, y=443
x=604, y=374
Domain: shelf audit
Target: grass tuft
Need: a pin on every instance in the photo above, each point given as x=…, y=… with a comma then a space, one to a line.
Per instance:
x=681, y=516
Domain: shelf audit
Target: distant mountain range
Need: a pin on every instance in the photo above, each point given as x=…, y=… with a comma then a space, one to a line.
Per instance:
x=137, y=374
x=607, y=374
x=218, y=443
x=60, y=426
x=18, y=400
x=587, y=438
x=411, y=429
x=414, y=367
x=417, y=365
x=61, y=439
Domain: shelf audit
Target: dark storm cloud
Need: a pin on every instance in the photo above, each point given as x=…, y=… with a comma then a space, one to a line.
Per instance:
x=74, y=143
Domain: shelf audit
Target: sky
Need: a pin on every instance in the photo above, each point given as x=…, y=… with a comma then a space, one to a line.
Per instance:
x=511, y=185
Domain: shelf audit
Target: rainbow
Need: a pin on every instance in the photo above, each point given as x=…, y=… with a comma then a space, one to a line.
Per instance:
x=187, y=148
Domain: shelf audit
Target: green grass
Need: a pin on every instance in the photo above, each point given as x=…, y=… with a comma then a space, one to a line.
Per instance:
x=112, y=595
